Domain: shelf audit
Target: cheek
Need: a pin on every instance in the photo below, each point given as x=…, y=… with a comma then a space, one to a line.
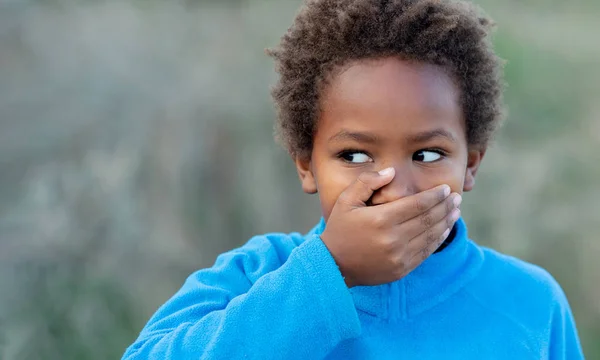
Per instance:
x=331, y=183
x=454, y=176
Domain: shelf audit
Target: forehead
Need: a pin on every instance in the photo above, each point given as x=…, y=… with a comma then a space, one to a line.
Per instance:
x=391, y=96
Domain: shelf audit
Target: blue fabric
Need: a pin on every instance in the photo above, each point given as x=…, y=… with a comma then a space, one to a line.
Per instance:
x=281, y=296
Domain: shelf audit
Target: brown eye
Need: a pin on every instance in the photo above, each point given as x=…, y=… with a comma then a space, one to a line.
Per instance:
x=355, y=157
x=426, y=156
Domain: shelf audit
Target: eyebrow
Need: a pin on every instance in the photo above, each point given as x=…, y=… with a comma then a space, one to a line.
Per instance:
x=362, y=137
x=365, y=137
x=431, y=134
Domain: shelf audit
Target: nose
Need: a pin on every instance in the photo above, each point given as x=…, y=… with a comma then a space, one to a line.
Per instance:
x=403, y=184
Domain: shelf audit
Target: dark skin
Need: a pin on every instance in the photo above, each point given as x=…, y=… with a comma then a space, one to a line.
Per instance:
x=390, y=160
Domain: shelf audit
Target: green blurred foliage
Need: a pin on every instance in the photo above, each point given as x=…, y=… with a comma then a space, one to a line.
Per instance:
x=136, y=145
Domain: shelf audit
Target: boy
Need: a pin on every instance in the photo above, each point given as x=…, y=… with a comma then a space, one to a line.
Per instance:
x=386, y=108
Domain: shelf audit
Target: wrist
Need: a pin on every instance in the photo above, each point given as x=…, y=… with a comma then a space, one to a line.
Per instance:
x=349, y=282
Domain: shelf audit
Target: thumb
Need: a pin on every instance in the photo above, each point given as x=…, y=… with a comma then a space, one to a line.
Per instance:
x=361, y=190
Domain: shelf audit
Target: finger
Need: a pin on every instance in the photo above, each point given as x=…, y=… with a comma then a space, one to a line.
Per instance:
x=361, y=190
x=411, y=206
x=428, y=241
x=418, y=224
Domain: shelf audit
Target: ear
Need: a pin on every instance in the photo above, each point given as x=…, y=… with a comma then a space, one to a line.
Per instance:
x=474, y=157
x=307, y=178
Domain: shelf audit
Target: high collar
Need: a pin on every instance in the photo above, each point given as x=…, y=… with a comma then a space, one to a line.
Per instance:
x=440, y=276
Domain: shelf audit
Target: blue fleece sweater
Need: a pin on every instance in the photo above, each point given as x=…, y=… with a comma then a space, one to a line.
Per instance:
x=281, y=296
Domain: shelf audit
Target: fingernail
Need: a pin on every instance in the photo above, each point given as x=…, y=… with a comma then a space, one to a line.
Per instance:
x=457, y=200
x=445, y=234
x=446, y=190
x=387, y=171
x=455, y=215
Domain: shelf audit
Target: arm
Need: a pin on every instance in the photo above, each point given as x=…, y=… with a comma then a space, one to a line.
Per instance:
x=249, y=305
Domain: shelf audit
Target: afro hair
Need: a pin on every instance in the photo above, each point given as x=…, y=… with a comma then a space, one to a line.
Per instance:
x=327, y=34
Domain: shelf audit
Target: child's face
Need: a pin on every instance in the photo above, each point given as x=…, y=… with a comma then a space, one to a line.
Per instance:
x=389, y=113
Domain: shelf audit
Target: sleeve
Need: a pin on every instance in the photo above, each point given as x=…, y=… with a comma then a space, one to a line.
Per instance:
x=564, y=340
x=245, y=307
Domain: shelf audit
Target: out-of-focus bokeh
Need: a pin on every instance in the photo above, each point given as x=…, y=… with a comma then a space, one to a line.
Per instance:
x=136, y=145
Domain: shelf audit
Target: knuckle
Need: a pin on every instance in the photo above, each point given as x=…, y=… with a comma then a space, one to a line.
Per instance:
x=398, y=272
x=424, y=254
x=396, y=261
x=426, y=219
x=378, y=221
x=430, y=236
x=419, y=205
x=345, y=198
x=398, y=266
x=388, y=244
x=364, y=178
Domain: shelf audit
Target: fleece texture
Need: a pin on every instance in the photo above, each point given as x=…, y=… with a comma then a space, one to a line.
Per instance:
x=282, y=296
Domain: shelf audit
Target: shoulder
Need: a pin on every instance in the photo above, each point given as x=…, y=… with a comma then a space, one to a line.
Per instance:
x=524, y=300
x=523, y=292
x=261, y=254
x=529, y=279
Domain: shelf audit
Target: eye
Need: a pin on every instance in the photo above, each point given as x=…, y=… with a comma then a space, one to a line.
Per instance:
x=355, y=157
x=427, y=156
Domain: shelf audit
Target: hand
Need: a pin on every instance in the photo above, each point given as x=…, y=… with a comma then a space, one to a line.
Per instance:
x=375, y=245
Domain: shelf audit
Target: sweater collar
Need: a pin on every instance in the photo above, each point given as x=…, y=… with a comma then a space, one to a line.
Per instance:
x=440, y=276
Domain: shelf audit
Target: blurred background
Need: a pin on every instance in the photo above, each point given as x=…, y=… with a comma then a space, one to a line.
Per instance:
x=136, y=145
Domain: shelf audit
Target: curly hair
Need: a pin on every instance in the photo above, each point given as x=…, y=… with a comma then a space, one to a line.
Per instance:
x=327, y=34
